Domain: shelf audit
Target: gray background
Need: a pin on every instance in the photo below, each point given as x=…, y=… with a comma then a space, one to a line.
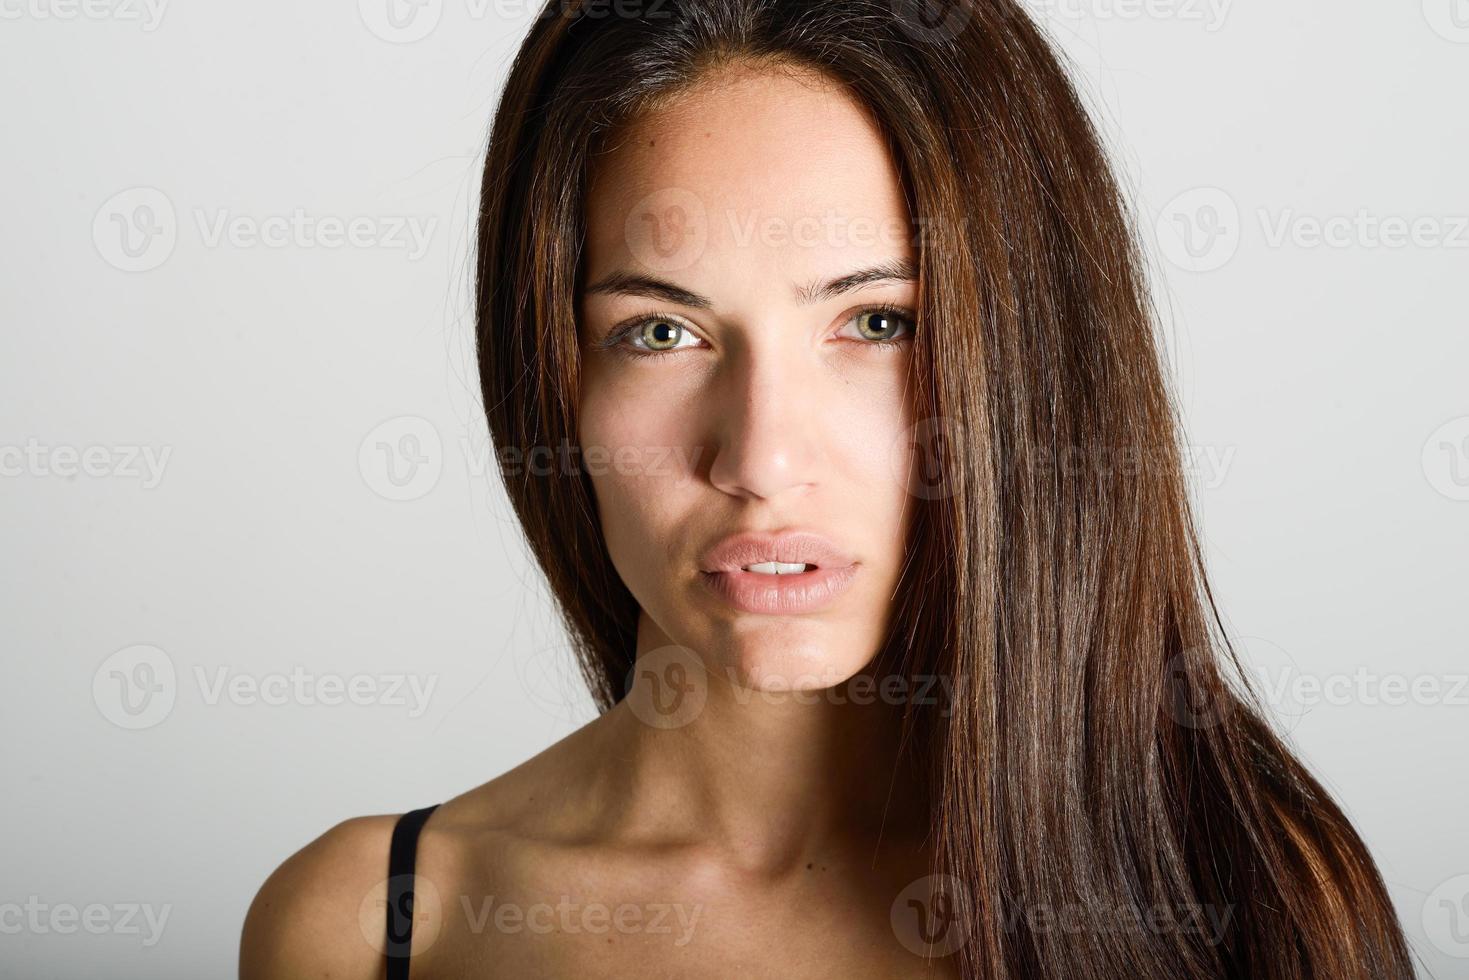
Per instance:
x=320, y=497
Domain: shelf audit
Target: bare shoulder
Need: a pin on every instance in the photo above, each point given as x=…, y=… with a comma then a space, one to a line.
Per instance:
x=308, y=920
x=322, y=913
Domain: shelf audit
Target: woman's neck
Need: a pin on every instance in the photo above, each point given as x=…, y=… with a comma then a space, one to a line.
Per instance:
x=774, y=777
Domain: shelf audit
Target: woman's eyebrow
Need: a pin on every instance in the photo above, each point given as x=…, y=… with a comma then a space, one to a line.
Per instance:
x=637, y=284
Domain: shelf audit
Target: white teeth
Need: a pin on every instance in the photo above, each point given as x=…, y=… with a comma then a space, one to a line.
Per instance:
x=776, y=568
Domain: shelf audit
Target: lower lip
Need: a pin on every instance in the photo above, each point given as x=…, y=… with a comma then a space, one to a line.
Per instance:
x=781, y=595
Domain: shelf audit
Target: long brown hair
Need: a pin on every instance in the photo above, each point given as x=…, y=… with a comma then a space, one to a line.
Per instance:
x=1099, y=756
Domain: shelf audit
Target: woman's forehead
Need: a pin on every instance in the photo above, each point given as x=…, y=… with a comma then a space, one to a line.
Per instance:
x=766, y=172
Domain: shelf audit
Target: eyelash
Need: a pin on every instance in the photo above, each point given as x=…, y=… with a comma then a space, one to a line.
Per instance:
x=614, y=340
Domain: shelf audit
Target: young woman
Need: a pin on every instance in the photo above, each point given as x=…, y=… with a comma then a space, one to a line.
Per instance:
x=815, y=346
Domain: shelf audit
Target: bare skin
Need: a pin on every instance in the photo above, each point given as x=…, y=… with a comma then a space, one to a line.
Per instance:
x=770, y=831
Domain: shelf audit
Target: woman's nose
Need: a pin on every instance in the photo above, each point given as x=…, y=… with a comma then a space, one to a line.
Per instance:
x=765, y=430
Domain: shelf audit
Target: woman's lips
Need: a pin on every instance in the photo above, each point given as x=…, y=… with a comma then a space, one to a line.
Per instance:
x=748, y=548
x=781, y=595
x=828, y=574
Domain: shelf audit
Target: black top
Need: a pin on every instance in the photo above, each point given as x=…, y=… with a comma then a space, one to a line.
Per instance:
x=401, y=855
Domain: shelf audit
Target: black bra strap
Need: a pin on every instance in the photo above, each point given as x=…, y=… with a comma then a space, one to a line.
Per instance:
x=401, y=855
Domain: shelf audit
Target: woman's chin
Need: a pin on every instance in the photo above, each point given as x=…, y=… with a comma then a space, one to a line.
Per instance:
x=787, y=660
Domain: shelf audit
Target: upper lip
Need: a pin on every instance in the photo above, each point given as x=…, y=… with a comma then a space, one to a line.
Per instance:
x=752, y=547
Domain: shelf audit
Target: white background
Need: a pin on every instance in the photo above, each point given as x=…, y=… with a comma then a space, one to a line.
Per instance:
x=268, y=376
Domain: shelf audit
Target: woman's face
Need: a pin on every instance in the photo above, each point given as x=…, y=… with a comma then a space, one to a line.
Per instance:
x=736, y=377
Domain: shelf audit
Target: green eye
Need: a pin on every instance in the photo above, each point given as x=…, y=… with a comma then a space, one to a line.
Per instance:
x=882, y=325
x=658, y=335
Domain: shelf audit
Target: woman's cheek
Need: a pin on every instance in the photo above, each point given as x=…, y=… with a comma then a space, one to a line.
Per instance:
x=872, y=419
x=635, y=446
